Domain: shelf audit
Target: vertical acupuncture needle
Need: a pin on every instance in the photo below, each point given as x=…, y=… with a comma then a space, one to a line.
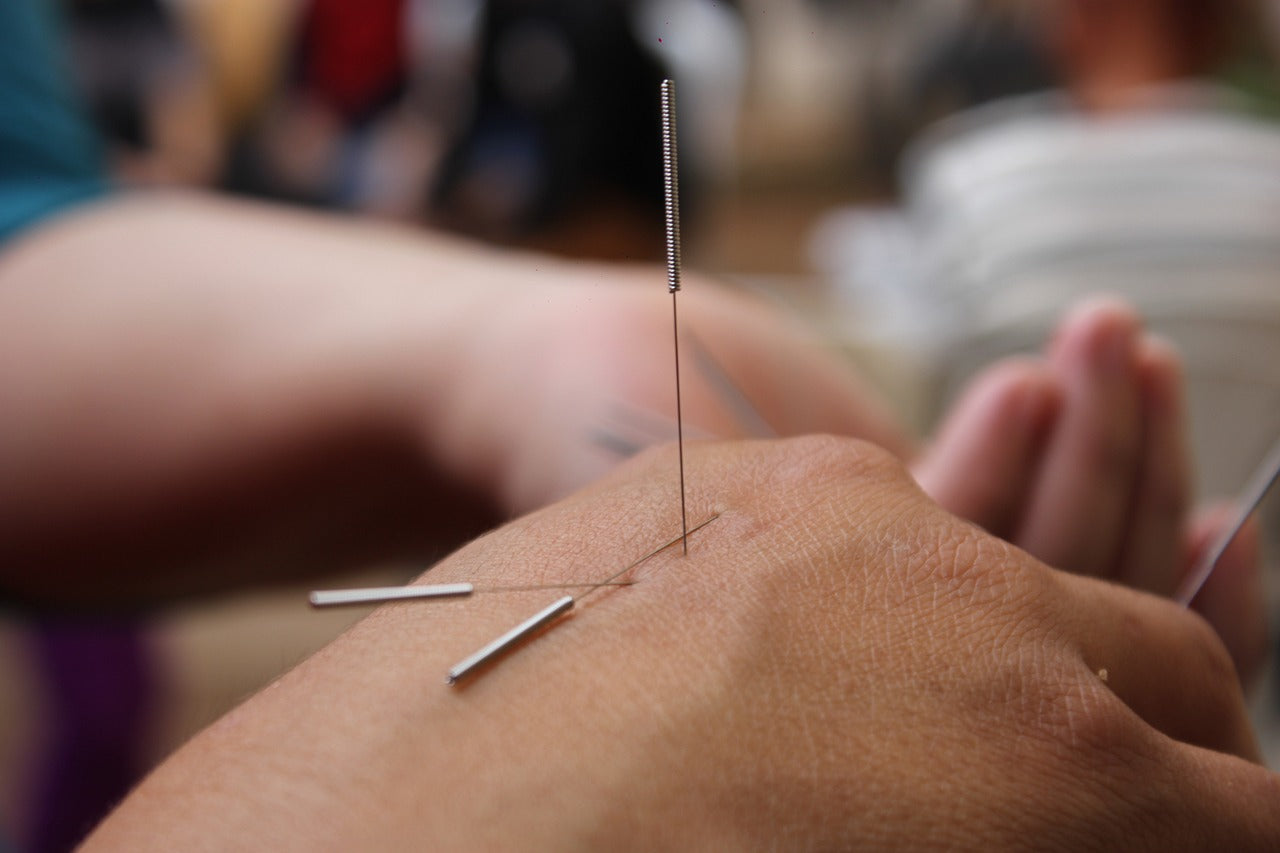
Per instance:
x=544, y=617
x=671, y=179
x=1259, y=484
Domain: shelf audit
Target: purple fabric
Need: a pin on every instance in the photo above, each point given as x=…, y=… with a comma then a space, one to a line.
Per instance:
x=100, y=684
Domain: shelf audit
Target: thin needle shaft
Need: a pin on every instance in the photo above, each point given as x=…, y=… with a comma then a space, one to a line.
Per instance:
x=684, y=516
x=671, y=180
x=544, y=617
x=1259, y=484
x=613, y=578
x=749, y=418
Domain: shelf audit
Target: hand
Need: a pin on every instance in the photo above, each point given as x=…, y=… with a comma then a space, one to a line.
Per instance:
x=1081, y=459
x=837, y=663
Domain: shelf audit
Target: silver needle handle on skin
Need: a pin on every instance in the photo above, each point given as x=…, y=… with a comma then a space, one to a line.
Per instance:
x=671, y=181
x=508, y=640
x=524, y=629
x=385, y=594
x=1259, y=484
x=380, y=594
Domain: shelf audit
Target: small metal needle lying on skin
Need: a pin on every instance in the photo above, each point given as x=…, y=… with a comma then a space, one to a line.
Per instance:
x=384, y=594
x=545, y=617
x=508, y=640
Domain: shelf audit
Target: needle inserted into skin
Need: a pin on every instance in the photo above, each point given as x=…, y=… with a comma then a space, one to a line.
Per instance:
x=683, y=537
x=384, y=594
x=750, y=419
x=670, y=171
x=1259, y=484
x=671, y=180
x=544, y=617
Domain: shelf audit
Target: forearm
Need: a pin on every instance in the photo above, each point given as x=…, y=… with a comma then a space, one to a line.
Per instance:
x=173, y=370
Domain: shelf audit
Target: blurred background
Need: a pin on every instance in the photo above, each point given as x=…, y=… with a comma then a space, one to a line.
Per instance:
x=929, y=183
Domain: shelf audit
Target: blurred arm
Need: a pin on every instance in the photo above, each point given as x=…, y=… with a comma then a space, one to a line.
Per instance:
x=197, y=392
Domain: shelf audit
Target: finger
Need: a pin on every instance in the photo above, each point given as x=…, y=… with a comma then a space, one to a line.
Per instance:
x=1151, y=554
x=1232, y=599
x=1076, y=517
x=1224, y=803
x=984, y=461
x=1161, y=660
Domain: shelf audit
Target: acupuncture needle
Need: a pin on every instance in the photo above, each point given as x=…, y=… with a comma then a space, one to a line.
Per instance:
x=629, y=429
x=749, y=417
x=670, y=175
x=1259, y=484
x=613, y=578
x=384, y=594
x=550, y=613
x=671, y=180
x=508, y=640
x=626, y=429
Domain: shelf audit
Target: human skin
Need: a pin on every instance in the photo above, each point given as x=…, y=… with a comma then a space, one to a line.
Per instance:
x=1110, y=53
x=1079, y=456
x=837, y=663
x=197, y=393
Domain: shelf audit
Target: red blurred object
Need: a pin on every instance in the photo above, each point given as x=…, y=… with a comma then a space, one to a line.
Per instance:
x=353, y=54
x=1106, y=49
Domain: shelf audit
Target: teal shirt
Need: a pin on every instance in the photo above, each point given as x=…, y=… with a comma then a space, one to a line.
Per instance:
x=50, y=157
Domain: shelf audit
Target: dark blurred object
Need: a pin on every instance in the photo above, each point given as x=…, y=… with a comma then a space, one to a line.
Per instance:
x=992, y=52
x=338, y=128
x=987, y=58
x=529, y=122
x=101, y=682
x=117, y=47
x=145, y=90
x=1109, y=50
x=561, y=149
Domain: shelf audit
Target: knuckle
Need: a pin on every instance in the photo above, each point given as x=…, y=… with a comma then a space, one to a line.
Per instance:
x=1095, y=760
x=1212, y=660
x=817, y=459
x=1092, y=719
x=1086, y=727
